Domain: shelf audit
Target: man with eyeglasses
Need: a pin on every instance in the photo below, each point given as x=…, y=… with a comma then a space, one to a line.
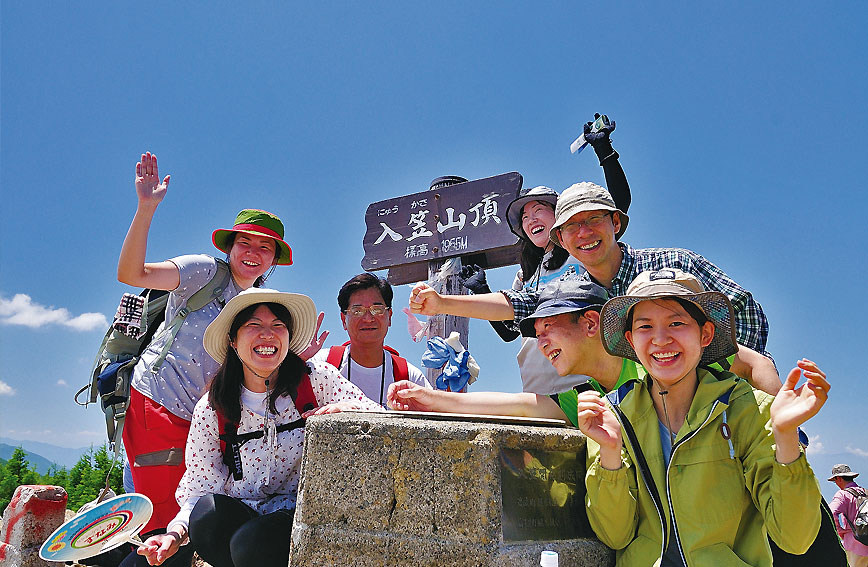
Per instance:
x=365, y=360
x=588, y=225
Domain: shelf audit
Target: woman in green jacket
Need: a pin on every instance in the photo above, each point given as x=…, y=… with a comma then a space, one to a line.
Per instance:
x=723, y=461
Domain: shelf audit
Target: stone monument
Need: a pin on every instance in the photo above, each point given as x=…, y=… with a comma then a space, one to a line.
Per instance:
x=396, y=489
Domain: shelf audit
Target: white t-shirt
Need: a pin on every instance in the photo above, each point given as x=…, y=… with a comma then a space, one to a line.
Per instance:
x=270, y=481
x=374, y=382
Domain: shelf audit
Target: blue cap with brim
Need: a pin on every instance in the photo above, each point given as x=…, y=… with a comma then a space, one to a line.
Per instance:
x=564, y=296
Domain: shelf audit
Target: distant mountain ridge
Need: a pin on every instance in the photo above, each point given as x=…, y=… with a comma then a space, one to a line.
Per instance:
x=63, y=456
x=39, y=463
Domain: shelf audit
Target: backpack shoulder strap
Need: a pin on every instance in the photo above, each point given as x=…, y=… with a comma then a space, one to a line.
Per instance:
x=336, y=355
x=225, y=430
x=304, y=399
x=399, y=366
x=210, y=291
x=860, y=494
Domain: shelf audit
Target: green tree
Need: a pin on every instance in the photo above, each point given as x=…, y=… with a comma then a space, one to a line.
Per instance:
x=16, y=471
x=87, y=478
x=83, y=482
x=57, y=476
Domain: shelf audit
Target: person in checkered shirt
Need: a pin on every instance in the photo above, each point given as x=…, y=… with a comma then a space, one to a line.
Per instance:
x=589, y=226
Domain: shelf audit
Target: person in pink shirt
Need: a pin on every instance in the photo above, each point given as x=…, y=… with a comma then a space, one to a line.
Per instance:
x=843, y=507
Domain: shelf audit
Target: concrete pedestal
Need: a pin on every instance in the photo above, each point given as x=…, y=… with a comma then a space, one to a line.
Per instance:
x=500, y=494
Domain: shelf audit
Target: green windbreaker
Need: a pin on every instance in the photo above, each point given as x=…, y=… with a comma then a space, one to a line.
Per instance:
x=724, y=497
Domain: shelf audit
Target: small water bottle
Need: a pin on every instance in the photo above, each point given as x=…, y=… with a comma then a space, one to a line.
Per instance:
x=548, y=559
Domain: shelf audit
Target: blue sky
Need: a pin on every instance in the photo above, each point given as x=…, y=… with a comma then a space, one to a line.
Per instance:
x=740, y=127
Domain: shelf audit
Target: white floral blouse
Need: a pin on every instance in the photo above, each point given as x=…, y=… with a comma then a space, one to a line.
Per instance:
x=270, y=481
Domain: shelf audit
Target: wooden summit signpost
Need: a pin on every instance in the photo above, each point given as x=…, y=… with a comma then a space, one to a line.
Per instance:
x=412, y=236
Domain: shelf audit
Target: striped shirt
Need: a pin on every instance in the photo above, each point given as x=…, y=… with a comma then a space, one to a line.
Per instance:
x=751, y=325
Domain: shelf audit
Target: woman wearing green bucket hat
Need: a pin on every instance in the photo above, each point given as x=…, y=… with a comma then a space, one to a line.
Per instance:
x=163, y=396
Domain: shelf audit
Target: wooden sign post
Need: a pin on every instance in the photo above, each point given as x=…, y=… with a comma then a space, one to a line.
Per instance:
x=415, y=234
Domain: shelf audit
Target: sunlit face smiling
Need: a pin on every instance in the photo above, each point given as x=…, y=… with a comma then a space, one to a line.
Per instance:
x=537, y=219
x=589, y=236
x=367, y=328
x=262, y=342
x=557, y=338
x=667, y=340
x=251, y=256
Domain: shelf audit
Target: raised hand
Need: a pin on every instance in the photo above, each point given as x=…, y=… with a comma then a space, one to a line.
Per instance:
x=316, y=342
x=598, y=422
x=148, y=186
x=600, y=141
x=424, y=300
x=600, y=135
x=473, y=278
x=794, y=406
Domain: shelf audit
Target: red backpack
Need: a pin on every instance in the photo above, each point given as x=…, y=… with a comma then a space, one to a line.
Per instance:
x=399, y=364
x=231, y=441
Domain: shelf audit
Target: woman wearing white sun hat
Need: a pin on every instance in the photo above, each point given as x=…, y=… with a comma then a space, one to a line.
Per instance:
x=243, y=515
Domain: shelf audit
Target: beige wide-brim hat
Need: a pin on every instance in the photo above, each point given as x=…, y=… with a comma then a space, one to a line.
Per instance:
x=843, y=471
x=666, y=284
x=300, y=307
x=581, y=197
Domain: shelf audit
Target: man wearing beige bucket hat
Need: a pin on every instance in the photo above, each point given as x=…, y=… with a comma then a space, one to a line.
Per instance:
x=589, y=225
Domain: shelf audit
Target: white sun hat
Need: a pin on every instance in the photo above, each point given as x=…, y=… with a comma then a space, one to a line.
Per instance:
x=300, y=307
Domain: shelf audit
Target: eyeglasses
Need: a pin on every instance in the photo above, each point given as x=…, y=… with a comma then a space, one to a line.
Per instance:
x=359, y=311
x=575, y=226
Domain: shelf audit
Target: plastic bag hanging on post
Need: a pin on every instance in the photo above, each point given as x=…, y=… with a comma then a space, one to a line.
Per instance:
x=459, y=367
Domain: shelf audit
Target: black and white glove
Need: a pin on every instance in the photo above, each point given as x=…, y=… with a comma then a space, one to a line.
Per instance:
x=600, y=140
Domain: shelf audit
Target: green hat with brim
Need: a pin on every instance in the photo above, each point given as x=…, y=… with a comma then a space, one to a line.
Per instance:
x=255, y=223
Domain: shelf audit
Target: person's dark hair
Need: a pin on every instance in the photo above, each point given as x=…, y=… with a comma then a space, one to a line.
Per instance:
x=364, y=281
x=532, y=255
x=224, y=393
x=692, y=309
x=261, y=279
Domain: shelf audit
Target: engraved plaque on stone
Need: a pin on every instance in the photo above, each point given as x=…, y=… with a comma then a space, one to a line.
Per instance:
x=543, y=495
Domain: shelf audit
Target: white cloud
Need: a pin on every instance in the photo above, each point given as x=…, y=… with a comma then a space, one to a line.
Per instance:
x=6, y=389
x=20, y=310
x=61, y=382
x=856, y=451
x=815, y=446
